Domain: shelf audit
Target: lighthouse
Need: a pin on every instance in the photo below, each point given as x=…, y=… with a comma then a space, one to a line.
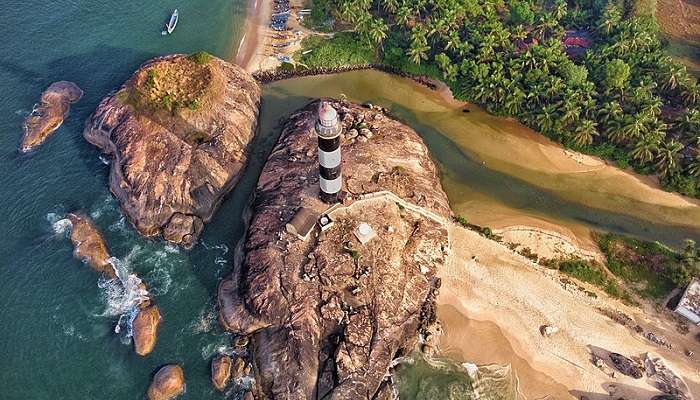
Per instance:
x=328, y=132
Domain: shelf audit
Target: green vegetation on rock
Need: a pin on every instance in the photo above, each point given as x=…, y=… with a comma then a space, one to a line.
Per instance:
x=649, y=268
x=623, y=98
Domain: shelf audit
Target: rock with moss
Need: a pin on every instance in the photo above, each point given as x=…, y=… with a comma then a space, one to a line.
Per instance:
x=177, y=133
x=329, y=314
x=49, y=114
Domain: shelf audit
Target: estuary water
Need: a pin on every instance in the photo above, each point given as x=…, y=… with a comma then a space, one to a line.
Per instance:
x=57, y=320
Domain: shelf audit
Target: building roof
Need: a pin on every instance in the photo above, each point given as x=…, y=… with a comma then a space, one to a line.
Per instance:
x=691, y=297
x=302, y=223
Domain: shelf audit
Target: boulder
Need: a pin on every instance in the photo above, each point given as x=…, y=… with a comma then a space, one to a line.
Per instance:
x=335, y=334
x=146, y=329
x=548, y=330
x=177, y=134
x=168, y=383
x=49, y=114
x=89, y=245
x=626, y=366
x=221, y=371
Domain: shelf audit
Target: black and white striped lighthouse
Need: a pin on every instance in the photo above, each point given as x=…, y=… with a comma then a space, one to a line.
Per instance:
x=328, y=132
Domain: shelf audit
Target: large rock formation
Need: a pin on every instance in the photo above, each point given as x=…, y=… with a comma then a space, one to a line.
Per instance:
x=168, y=383
x=177, y=133
x=89, y=245
x=146, y=329
x=329, y=314
x=49, y=114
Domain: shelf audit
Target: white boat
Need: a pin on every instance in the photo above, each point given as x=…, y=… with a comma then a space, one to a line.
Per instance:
x=172, y=23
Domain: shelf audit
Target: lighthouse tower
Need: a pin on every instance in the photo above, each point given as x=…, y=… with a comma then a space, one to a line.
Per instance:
x=328, y=132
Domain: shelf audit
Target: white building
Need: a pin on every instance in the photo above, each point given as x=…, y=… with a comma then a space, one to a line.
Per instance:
x=689, y=305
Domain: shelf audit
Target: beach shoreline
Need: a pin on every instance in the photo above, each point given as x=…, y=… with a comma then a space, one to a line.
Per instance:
x=250, y=53
x=492, y=310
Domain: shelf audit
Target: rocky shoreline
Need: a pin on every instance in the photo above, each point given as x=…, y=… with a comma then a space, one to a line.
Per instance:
x=269, y=76
x=177, y=133
x=327, y=315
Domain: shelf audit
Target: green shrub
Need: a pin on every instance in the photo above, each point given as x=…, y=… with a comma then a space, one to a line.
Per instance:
x=200, y=57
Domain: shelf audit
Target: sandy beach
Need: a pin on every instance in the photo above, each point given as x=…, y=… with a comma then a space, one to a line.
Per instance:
x=492, y=310
x=251, y=50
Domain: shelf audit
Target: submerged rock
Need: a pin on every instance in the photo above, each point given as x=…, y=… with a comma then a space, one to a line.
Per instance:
x=89, y=245
x=168, y=383
x=221, y=371
x=328, y=315
x=177, y=133
x=146, y=329
x=48, y=116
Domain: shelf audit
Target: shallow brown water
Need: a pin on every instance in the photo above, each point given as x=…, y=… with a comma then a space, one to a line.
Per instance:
x=499, y=173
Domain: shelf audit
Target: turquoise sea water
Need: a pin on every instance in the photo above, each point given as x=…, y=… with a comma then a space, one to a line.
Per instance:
x=56, y=339
x=56, y=321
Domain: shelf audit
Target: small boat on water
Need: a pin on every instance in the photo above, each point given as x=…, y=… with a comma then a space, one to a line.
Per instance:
x=172, y=23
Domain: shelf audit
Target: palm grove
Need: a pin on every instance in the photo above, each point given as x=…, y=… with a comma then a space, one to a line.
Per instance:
x=623, y=99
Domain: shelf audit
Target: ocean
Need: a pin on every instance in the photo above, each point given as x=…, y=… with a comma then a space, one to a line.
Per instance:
x=56, y=319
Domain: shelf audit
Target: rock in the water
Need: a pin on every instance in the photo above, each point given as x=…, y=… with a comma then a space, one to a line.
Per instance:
x=177, y=133
x=168, y=383
x=146, y=329
x=89, y=245
x=626, y=366
x=49, y=114
x=221, y=371
x=329, y=314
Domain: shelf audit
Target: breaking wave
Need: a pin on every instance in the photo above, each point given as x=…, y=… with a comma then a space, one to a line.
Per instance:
x=59, y=224
x=123, y=295
x=418, y=378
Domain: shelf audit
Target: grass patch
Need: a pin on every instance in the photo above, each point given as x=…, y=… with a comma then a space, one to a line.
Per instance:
x=595, y=274
x=650, y=269
x=345, y=48
x=200, y=57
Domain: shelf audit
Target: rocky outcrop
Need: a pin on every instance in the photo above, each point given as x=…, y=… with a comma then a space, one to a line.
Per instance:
x=89, y=245
x=167, y=383
x=627, y=366
x=177, y=133
x=221, y=371
x=328, y=315
x=145, y=327
x=49, y=114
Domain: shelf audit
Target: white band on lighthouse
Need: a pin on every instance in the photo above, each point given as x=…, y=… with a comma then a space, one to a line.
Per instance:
x=329, y=159
x=333, y=186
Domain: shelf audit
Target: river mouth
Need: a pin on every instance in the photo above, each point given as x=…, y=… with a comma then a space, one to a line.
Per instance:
x=498, y=173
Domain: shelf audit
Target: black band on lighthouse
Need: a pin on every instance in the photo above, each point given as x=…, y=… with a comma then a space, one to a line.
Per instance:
x=328, y=145
x=330, y=173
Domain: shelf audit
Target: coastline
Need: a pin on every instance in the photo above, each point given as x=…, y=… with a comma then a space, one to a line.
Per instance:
x=250, y=54
x=492, y=310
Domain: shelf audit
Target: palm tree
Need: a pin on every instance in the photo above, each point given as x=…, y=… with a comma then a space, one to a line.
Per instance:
x=546, y=119
x=667, y=158
x=690, y=93
x=378, y=30
x=610, y=19
x=585, y=132
x=645, y=149
x=694, y=167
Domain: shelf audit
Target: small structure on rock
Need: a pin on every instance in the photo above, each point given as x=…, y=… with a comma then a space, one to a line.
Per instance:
x=689, y=305
x=302, y=223
x=328, y=131
x=364, y=233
